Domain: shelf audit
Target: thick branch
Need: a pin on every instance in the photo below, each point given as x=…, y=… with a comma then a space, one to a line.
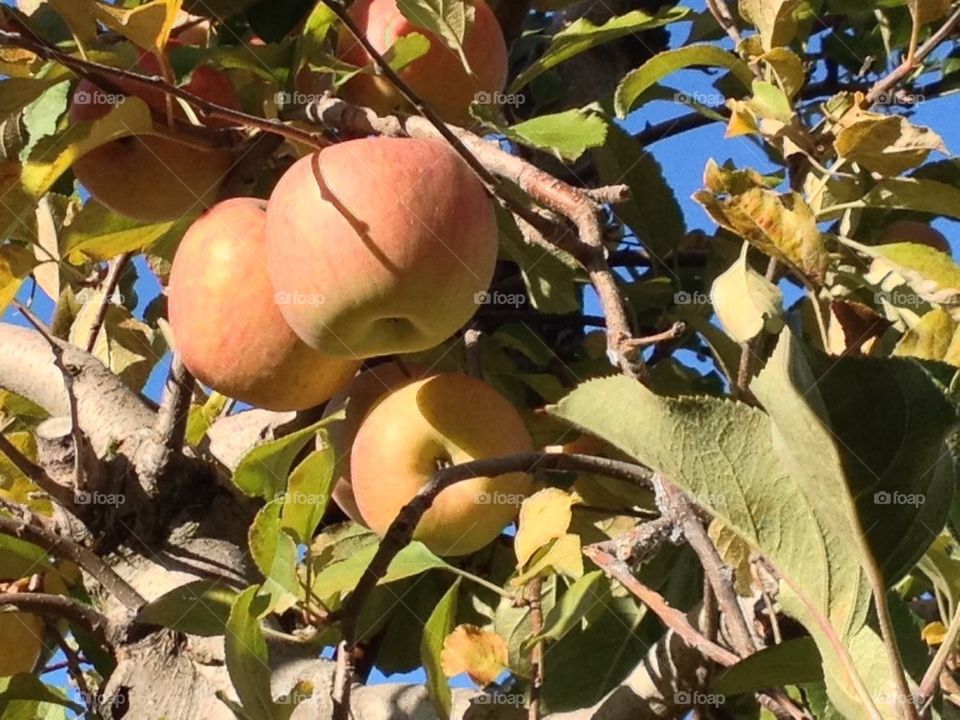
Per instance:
x=61, y=606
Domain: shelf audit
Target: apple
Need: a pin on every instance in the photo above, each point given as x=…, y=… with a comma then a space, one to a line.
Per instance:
x=225, y=321
x=21, y=636
x=427, y=424
x=916, y=232
x=393, y=238
x=439, y=77
x=355, y=402
x=149, y=177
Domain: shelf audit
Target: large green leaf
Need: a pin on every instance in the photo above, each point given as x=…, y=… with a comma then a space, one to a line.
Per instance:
x=343, y=576
x=582, y=35
x=199, y=608
x=790, y=663
x=669, y=61
x=308, y=492
x=781, y=483
x=566, y=135
x=652, y=212
x=263, y=471
x=275, y=554
x=449, y=20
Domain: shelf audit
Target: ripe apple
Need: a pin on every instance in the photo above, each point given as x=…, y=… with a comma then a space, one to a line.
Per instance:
x=225, y=320
x=355, y=401
x=149, y=177
x=395, y=237
x=916, y=232
x=21, y=636
x=439, y=77
x=428, y=424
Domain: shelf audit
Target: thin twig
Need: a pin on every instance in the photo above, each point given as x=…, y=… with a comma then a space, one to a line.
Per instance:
x=61, y=494
x=76, y=674
x=675, y=504
x=117, y=266
x=534, y=592
x=209, y=109
x=905, y=69
x=655, y=602
x=61, y=606
x=931, y=678
x=34, y=529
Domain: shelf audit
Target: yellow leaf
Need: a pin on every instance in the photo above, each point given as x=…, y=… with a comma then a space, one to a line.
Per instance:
x=79, y=17
x=735, y=553
x=927, y=11
x=16, y=487
x=124, y=344
x=934, y=633
x=564, y=557
x=131, y=117
x=147, y=26
x=934, y=337
x=544, y=516
x=479, y=653
x=886, y=144
x=743, y=120
x=745, y=301
x=16, y=262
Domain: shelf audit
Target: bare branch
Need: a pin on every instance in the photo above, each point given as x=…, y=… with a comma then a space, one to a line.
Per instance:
x=534, y=591
x=117, y=266
x=34, y=529
x=61, y=606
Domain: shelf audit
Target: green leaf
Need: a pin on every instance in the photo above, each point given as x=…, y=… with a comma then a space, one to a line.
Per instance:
x=201, y=607
x=275, y=554
x=53, y=155
x=745, y=301
x=669, y=61
x=582, y=35
x=406, y=49
x=41, y=116
x=928, y=196
x=247, y=662
x=341, y=577
x=932, y=274
x=565, y=135
x=774, y=19
x=440, y=624
x=790, y=663
x=97, y=233
x=263, y=471
x=580, y=599
x=449, y=20
x=308, y=492
x=728, y=457
x=652, y=212
x=771, y=102
x=201, y=417
x=29, y=687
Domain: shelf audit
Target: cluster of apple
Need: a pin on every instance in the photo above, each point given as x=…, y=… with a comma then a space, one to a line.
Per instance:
x=370, y=247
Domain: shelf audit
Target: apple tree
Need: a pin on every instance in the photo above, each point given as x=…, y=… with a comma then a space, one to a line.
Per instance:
x=343, y=340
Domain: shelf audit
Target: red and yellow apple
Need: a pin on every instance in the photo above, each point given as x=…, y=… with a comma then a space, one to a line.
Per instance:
x=151, y=177
x=394, y=237
x=225, y=320
x=916, y=232
x=355, y=402
x=439, y=77
x=427, y=424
